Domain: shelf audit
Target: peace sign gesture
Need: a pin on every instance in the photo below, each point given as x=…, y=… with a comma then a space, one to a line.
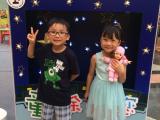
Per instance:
x=32, y=36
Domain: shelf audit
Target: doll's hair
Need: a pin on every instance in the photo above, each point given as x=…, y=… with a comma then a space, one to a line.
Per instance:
x=120, y=49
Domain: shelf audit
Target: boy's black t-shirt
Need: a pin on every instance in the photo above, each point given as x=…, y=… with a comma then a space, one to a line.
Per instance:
x=56, y=71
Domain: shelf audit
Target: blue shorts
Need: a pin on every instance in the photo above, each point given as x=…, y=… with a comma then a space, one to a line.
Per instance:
x=50, y=112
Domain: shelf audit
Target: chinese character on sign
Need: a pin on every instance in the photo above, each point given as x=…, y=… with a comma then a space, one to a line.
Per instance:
x=75, y=103
x=131, y=104
x=34, y=106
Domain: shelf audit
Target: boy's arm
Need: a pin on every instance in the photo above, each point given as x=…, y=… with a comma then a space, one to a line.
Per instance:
x=74, y=76
x=32, y=40
x=75, y=70
x=90, y=75
x=31, y=48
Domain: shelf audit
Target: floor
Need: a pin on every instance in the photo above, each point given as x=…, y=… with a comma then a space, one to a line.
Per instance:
x=7, y=100
x=22, y=113
x=153, y=109
x=154, y=102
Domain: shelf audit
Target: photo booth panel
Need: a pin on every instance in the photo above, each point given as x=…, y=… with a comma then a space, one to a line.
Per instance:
x=87, y=18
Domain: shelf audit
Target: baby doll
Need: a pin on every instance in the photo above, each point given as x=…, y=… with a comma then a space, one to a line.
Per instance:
x=119, y=54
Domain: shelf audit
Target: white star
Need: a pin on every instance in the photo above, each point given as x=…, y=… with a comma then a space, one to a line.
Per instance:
x=40, y=23
x=21, y=74
x=127, y=3
x=35, y=3
x=115, y=22
x=143, y=73
x=126, y=47
x=96, y=44
x=83, y=19
x=19, y=46
x=98, y=4
x=69, y=2
x=20, y=70
x=76, y=19
x=70, y=44
x=87, y=49
x=146, y=51
x=40, y=72
x=17, y=19
x=149, y=27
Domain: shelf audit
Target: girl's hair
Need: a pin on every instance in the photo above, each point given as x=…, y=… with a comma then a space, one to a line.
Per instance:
x=60, y=21
x=112, y=29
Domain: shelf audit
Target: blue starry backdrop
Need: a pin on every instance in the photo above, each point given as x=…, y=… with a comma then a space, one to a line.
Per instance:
x=138, y=20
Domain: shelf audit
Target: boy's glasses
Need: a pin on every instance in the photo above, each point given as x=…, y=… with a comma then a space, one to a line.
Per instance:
x=54, y=33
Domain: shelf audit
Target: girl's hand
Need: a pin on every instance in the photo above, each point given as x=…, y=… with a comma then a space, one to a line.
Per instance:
x=117, y=66
x=86, y=96
x=120, y=69
x=32, y=36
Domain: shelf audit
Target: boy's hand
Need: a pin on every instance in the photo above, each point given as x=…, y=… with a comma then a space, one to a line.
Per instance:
x=32, y=36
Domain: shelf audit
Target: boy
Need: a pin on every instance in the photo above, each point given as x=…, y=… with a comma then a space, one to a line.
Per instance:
x=59, y=66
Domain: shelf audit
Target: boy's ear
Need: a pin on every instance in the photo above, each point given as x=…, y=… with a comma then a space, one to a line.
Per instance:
x=46, y=38
x=68, y=37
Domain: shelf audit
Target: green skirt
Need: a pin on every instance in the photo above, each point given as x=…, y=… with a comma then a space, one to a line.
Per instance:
x=106, y=101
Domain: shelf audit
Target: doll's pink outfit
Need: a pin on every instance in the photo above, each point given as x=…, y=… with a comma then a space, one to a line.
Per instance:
x=113, y=76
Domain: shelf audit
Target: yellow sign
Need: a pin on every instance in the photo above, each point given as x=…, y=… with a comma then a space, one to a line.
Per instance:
x=4, y=19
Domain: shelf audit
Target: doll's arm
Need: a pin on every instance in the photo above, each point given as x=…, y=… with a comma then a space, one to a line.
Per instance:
x=125, y=61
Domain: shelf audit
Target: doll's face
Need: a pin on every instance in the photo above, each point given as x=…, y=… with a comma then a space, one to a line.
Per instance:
x=118, y=55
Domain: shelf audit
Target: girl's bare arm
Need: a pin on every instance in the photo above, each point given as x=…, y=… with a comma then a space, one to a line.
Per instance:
x=90, y=75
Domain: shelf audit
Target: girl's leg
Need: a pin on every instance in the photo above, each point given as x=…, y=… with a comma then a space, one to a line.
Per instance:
x=62, y=112
x=47, y=112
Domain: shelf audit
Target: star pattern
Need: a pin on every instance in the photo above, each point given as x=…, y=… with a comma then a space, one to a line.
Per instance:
x=17, y=19
x=19, y=46
x=69, y=2
x=127, y=3
x=35, y=3
x=98, y=4
x=149, y=27
x=146, y=50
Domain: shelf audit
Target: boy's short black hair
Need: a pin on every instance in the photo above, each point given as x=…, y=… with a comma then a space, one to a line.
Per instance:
x=110, y=29
x=58, y=20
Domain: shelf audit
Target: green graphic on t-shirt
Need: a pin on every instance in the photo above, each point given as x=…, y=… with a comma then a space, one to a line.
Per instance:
x=51, y=74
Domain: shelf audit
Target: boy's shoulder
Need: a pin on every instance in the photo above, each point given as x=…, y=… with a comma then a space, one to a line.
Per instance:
x=47, y=46
x=44, y=47
x=69, y=51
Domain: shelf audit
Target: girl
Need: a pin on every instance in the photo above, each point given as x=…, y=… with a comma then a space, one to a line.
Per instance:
x=106, y=100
